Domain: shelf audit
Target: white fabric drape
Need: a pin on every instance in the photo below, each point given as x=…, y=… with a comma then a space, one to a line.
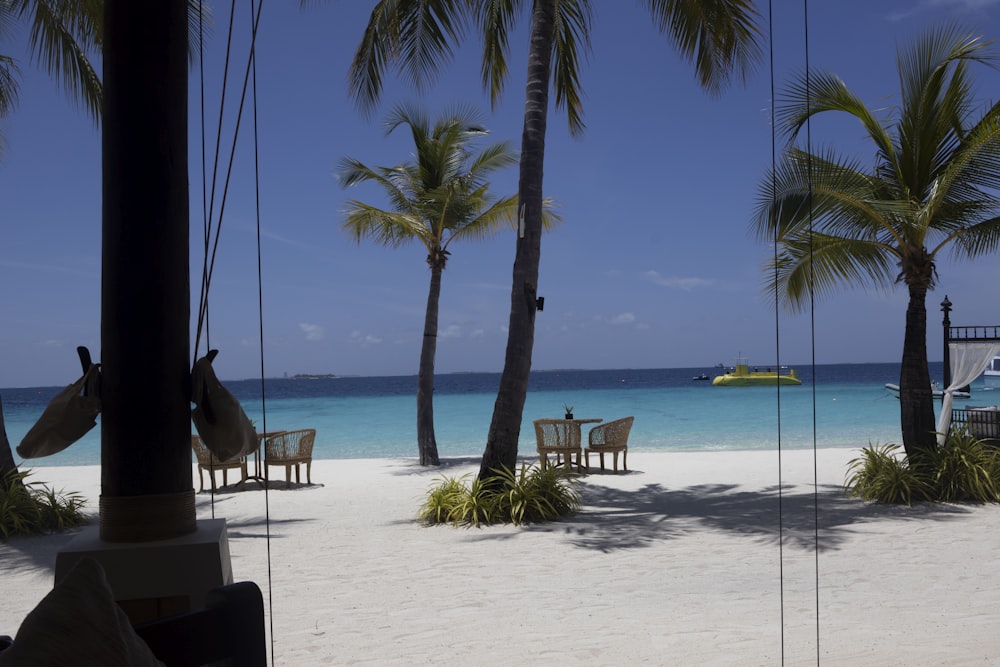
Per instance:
x=968, y=360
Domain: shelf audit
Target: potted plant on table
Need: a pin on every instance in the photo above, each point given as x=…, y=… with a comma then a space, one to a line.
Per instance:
x=569, y=411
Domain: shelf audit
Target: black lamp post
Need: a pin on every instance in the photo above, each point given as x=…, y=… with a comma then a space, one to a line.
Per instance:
x=946, y=359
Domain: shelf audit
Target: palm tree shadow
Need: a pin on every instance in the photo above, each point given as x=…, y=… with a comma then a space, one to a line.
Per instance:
x=615, y=519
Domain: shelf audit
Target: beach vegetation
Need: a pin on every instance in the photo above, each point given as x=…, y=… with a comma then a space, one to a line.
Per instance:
x=441, y=197
x=964, y=469
x=528, y=494
x=929, y=185
x=31, y=508
x=417, y=37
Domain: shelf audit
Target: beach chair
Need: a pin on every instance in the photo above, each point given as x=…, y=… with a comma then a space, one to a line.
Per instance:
x=609, y=438
x=209, y=462
x=560, y=437
x=290, y=448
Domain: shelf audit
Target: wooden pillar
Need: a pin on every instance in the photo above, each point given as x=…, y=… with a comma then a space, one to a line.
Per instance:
x=146, y=488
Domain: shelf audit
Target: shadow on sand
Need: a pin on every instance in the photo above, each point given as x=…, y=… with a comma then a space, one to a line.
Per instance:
x=615, y=519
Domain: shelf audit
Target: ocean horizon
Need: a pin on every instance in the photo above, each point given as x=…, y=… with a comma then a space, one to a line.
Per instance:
x=837, y=405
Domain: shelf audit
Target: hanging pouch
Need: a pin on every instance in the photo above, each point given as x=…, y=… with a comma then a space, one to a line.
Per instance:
x=67, y=418
x=223, y=426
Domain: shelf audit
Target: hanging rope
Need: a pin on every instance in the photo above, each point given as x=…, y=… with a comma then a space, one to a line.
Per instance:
x=260, y=313
x=777, y=340
x=211, y=243
x=812, y=318
x=812, y=331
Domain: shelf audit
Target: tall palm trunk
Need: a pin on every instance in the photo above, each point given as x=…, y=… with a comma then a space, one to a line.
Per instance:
x=916, y=403
x=6, y=455
x=501, y=443
x=426, y=442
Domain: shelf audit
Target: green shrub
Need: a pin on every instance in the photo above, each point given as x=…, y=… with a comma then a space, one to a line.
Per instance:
x=881, y=475
x=528, y=495
x=30, y=508
x=964, y=469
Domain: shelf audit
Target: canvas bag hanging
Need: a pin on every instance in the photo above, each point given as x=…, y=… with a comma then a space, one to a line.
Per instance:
x=221, y=422
x=67, y=418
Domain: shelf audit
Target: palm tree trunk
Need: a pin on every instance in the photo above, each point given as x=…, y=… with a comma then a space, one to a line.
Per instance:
x=426, y=441
x=6, y=455
x=916, y=403
x=501, y=443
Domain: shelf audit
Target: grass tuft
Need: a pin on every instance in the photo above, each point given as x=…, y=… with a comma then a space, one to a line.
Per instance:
x=963, y=469
x=31, y=508
x=526, y=495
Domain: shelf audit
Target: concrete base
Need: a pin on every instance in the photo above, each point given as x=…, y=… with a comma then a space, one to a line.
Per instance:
x=154, y=579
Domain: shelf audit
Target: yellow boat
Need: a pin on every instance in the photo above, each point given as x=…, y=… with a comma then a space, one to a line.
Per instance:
x=742, y=376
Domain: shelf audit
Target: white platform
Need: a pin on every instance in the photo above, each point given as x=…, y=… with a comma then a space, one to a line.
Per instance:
x=181, y=569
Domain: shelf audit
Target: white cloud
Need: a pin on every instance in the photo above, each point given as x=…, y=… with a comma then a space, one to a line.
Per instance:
x=623, y=318
x=477, y=333
x=676, y=283
x=450, y=331
x=312, y=331
x=364, y=339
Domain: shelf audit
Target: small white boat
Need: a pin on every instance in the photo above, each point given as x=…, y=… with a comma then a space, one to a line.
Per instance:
x=935, y=391
x=993, y=370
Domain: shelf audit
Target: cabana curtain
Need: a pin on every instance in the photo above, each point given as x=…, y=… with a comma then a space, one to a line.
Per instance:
x=968, y=360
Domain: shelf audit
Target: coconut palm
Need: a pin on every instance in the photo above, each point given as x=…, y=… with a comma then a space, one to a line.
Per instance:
x=718, y=36
x=441, y=198
x=932, y=185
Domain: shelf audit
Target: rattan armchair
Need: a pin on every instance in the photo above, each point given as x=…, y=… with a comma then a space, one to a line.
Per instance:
x=290, y=448
x=209, y=462
x=560, y=437
x=609, y=438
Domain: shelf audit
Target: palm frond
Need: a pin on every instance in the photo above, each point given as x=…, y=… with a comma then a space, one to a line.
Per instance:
x=571, y=26
x=414, y=35
x=718, y=36
x=62, y=33
x=822, y=92
x=815, y=265
x=363, y=221
x=496, y=19
x=9, y=88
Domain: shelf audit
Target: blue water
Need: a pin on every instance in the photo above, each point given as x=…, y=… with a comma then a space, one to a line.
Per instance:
x=364, y=417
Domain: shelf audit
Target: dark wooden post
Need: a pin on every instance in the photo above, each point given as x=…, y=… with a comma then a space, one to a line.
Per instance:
x=146, y=489
x=946, y=359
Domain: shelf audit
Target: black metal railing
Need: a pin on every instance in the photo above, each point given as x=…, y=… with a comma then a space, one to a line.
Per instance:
x=983, y=423
x=984, y=333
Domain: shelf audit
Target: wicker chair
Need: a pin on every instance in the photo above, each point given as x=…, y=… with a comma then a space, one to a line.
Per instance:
x=208, y=462
x=612, y=438
x=290, y=448
x=560, y=437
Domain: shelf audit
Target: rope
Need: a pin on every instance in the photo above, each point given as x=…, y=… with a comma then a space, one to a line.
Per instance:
x=211, y=245
x=777, y=342
x=812, y=334
x=260, y=313
x=812, y=322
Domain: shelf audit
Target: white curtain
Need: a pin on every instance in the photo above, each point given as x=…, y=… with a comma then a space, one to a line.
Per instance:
x=968, y=360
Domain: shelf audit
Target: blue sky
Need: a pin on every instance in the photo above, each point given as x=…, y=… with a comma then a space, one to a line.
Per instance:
x=653, y=267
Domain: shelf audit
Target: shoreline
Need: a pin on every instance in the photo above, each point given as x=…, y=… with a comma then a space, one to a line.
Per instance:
x=677, y=561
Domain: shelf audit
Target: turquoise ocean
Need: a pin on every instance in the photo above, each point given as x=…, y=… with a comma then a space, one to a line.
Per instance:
x=838, y=405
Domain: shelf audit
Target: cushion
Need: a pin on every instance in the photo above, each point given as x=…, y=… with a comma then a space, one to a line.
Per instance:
x=78, y=623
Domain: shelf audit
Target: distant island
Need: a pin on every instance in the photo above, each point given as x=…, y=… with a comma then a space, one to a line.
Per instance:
x=313, y=376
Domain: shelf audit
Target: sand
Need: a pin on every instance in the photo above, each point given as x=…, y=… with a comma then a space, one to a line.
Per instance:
x=682, y=561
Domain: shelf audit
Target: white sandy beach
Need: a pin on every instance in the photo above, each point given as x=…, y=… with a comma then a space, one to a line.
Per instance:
x=675, y=563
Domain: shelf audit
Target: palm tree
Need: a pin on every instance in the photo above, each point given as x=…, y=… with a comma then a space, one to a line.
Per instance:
x=718, y=36
x=63, y=33
x=441, y=198
x=932, y=186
